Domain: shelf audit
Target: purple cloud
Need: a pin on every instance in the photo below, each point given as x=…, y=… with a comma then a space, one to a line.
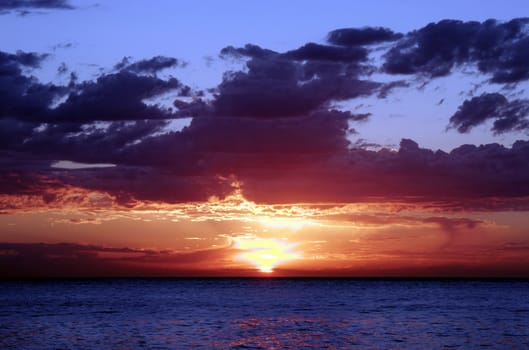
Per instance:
x=507, y=115
x=496, y=48
x=362, y=36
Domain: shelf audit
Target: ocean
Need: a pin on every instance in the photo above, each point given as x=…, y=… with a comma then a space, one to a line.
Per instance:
x=264, y=313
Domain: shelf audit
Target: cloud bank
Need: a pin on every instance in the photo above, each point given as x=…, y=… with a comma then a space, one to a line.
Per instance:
x=275, y=127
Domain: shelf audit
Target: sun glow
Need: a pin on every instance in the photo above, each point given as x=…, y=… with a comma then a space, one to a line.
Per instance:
x=293, y=224
x=265, y=253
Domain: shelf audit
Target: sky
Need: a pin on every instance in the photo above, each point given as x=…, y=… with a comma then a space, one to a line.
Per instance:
x=239, y=138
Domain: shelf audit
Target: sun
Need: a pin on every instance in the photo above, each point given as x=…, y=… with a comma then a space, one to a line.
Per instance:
x=266, y=269
x=265, y=253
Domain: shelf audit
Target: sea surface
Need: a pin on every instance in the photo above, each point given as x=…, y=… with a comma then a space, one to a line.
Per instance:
x=264, y=313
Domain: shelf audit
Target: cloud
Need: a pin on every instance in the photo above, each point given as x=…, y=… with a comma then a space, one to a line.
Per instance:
x=114, y=96
x=249, y=50
x=380, y=219
x=387, y=88
x=72, y=141
x=26, y=7
x=27, y=183
x=62, y=69
x=66, y=164
x=452, y=224
x=507, y=115
x=320, y=132
x=273, y=127
x=412, y=174
x=35, y=4
x=65, y=45
x=44, y=260
x=23, y=191
x=274, y=132
x=12, y=63
x=149, y=66
x=303, y=159
x=495, y=48
x=362, y=36
x=291, y=84
x=21, y=95
x=318, y=52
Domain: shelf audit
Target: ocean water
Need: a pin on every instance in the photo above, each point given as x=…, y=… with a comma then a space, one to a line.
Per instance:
x=264, y=313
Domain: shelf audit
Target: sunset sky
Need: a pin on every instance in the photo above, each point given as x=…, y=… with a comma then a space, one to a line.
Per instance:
x=274, y=138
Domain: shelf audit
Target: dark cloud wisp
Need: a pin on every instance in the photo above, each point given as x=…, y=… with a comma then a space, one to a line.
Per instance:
x=149, y=66
x=25, y=7
x=507, y=115
x=495, y=48
x=362, y=36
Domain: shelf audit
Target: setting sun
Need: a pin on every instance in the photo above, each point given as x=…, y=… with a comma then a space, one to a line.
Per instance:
x=265, y=253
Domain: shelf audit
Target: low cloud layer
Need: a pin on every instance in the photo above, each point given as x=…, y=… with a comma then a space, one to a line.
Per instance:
x=75, y=260
x=56, y=260
x=158, y=170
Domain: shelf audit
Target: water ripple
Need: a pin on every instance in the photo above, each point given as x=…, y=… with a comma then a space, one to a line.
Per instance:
x=257, y=314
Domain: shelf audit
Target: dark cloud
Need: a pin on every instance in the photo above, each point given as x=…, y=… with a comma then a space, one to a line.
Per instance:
x=180, y=165
x=62, y=69
x=286, y=160
x=465, y=174
x=309, y=160
x=117, y=96
x=496, y=48
x=320, y=132
x=13, y=132
x=280, y=86
x=11, y=63
x=150, y=66
x=249, y=50
x=26, y=7
x=24, y=183
x=88, y=143
x=273, y=126
x=387, y=88
x=282, y=153
x=121, y=186
x=24, y=96
x=44, y=260
x=298, y=82
x=38, y=4
x=362, y=36
x=66, y=45
x=507, y=115
x=32, y=131
x=317, y=52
